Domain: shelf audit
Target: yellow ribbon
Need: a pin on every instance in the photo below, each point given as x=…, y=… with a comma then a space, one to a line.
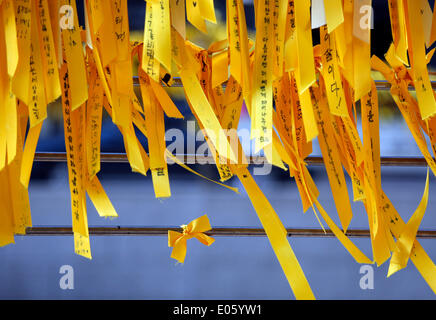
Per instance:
x=407, y=237
x=194, y=229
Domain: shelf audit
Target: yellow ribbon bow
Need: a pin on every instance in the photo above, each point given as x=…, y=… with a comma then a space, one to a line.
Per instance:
x=194, y=229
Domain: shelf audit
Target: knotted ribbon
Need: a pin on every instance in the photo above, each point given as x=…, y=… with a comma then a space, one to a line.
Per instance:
x=194, y=229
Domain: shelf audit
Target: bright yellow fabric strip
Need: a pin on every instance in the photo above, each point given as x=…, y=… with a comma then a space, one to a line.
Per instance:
x=97, y=16
x=331, y=159
x=48, y=51
x=357, y=64
x=121, y=95
x=407, y=237
x=21, y=204
x=334, y=14
x=72, y=122
x=149, y=62
x=8, y=111
x=103, y=18
x=165, y=101
x=344, y=42
x=207, y=10
x=399, y=32
x=245, y=48
x=138, y=159
x=346, y=242
x=304, y=110
x=427, y=16
x=331, y=74
x=280, y=155
x=371, y=140
x=37, y=97
x=309, y=120
x=29, y=154
x=121, y=29
x=298, y=129
x=206, y=115
x=10, y=32
x=424, y=91
x=162, y=28
x=291, y=59
x=362, y=18
x=139, y=121
x=193, y=12
x=402, y=98
x=94, y=22
x=161, y=182
x=277, y=237
x=283, y=108
x=82, y=244
x=57, y=35
x=81, y=247
x=353, y=134
x=306, y=198
x=403, y=45
x=280, y=14
x=72, y=44
x=232, y=105
x=220, y=68
x=136, y=155
x=379, y=240
x=11, y=124
x=350, y=156
x=262, y=95
x=156, y=141
x=177, y=8
x=94, y=113
x=418, y=255
x=283, y=122
x=180, y=163
x=122, y=64
x=233, y=34
x=121, y=105
x=20, y=199
x=305, y=73
x=21, y=79
x=6, y=213
x=362, y=68
x=99, y=198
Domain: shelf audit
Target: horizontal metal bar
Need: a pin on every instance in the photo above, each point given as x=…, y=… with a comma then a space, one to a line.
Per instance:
x=224, y=232
x=194, y=159
x=380, y=84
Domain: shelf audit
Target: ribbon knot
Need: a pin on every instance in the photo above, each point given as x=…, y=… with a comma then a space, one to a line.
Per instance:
x=185, y=229
x=194, y=229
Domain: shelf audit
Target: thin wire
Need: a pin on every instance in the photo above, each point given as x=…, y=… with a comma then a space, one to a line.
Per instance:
x=201, y=159
x=223, y=232
x=380, y=84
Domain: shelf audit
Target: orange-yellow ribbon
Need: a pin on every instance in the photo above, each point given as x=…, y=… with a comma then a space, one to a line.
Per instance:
x=194, y=229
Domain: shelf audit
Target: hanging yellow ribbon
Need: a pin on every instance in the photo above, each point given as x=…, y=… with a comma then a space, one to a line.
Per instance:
x=408, y=235
x=194, y=229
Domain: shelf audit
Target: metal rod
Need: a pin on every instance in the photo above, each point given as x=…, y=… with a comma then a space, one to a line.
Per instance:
x=194, y=159
x=380, y=84
x=223, y=232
